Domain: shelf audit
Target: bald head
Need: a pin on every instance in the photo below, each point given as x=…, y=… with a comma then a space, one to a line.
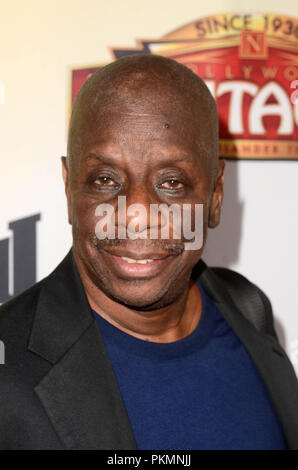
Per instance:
x=143, y=85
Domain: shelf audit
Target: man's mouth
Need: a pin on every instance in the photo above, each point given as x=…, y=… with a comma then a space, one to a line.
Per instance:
x=137, y=265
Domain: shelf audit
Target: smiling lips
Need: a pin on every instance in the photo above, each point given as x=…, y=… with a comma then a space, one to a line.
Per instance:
x=144, y=266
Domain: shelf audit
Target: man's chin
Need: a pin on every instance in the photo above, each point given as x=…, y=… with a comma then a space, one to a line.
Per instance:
x=138, y=300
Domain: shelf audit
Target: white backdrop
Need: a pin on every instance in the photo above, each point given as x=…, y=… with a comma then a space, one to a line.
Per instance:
x=39, y=41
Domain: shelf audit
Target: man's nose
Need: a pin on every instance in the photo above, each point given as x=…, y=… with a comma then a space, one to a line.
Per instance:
x=133, y=212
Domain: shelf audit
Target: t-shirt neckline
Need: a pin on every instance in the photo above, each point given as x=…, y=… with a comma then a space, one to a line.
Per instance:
x=153, y=350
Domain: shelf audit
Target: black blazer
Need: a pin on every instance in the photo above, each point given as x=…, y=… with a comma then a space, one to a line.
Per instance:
x=57, y=386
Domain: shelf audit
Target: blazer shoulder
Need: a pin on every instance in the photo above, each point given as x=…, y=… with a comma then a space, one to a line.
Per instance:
x=249, y=299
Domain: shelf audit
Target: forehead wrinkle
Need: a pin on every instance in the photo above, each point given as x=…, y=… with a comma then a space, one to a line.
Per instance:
x=147, y=144
x=162, y=156
x=114, y=134
x=121, y=113
x=141, y=125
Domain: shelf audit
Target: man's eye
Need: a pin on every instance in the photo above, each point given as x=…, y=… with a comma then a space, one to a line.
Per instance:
x=172, y=184
x=106, y=181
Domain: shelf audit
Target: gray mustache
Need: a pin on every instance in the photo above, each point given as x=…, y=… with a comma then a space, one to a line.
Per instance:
x=169, y=246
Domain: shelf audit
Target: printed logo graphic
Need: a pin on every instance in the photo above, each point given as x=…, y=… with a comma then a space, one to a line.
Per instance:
x=165, y=222
x=249, y=62
x=253, y=45
x=18, y=258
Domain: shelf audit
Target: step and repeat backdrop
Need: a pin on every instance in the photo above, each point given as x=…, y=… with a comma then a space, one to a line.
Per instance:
x=249, y=60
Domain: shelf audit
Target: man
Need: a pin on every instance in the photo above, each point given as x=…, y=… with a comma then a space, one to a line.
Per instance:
x=133, y=342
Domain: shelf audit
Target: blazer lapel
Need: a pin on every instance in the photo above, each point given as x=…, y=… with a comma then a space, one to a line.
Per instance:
x=270, y=359
x=80, y=392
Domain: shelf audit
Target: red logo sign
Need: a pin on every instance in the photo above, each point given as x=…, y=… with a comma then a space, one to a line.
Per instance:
x=250, y=64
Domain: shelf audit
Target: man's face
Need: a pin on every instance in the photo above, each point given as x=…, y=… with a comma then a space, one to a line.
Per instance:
x=150, y=158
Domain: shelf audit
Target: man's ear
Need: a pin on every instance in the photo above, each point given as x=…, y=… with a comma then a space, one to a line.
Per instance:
x=65, y=176
x=217, y=197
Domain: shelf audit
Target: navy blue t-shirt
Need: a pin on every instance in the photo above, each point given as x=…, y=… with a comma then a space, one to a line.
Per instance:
x=200, y=392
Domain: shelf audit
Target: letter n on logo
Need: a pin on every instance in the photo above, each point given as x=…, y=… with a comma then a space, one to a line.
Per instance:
x=18, y=258
x=253, y=45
